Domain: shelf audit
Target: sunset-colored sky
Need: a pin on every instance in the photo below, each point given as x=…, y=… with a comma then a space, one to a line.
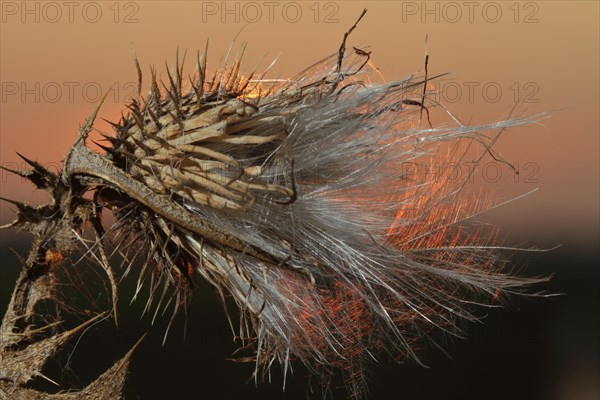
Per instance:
x=56, y=59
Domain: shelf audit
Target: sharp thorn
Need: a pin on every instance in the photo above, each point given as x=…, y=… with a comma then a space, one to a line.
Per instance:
x=23, y=174
x=9, y=225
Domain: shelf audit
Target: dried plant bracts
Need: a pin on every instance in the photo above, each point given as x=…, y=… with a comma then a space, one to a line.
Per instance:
x=292, y=200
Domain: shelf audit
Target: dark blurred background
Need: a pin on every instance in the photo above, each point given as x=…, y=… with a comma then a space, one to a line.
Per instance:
x=533, y=349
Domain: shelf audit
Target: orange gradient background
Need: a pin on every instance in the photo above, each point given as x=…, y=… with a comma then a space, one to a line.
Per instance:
x=548, y=51
x=557, y=56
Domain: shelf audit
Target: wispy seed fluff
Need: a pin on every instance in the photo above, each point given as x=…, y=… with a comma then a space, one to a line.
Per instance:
x=292, y=197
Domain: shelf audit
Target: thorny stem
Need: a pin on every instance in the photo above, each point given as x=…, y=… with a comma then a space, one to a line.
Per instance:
x=332, y=324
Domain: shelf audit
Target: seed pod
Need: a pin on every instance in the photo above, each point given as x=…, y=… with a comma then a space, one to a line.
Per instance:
x=294, y=201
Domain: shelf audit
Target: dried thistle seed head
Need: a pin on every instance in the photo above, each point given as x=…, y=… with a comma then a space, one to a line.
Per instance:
x=294, y=202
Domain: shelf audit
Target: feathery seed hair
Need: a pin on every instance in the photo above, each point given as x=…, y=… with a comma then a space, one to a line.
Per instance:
x=289, y=197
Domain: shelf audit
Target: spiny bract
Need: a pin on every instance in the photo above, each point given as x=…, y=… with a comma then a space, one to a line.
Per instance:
x=292, y=198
